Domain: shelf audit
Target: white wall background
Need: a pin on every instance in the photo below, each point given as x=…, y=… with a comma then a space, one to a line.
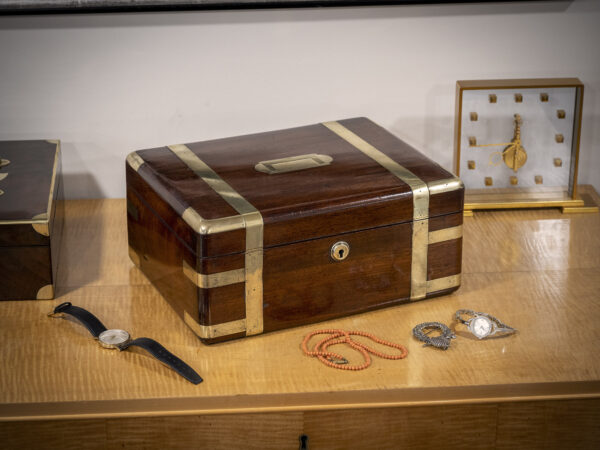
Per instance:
x=109, y=84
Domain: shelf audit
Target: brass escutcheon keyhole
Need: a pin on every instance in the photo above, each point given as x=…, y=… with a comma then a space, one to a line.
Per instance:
x=340, y=251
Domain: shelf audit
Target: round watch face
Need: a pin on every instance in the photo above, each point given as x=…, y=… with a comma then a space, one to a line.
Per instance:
x=113, y=338
x=480, y=327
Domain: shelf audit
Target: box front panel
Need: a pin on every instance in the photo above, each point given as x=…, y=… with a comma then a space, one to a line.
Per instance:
x=304, y=284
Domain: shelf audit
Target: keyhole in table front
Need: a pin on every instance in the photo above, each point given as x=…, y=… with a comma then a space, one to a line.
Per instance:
x=341, y=253
x=303, y=442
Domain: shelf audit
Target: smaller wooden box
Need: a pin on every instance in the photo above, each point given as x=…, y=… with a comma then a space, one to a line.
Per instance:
x=31, y=217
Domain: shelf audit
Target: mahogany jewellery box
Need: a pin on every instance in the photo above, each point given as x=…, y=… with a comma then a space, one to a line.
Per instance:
x=257, y=233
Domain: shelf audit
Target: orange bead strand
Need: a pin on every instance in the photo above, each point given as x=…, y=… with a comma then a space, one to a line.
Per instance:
x=336, y=337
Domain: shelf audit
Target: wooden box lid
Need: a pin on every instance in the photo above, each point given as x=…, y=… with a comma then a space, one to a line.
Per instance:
x=304, y=183
x=28, y=179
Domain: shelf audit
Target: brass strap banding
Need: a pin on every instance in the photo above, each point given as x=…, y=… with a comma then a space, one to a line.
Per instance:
x=253, y=223
x=445, y=234
x=439, y=284
x=444, y=185
x=420, y=191
x=214, y=331
x=213, y=280
x=135, y=161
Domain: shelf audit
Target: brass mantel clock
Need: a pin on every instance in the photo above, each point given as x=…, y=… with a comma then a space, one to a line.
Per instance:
x=517, y=143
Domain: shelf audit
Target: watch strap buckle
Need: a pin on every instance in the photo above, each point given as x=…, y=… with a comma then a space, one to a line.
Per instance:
x=57, y=313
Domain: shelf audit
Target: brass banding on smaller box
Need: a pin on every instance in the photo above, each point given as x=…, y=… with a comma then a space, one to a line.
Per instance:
x=45, y=293
x=135, y=160
x=40, y=224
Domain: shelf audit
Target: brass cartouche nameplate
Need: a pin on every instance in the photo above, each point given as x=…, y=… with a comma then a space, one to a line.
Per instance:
x=293, y=163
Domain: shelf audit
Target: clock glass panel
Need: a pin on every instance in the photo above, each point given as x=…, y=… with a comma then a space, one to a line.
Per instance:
x=492, y=120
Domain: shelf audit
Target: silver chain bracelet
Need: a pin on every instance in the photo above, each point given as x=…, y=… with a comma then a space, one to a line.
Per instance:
x=442, y=341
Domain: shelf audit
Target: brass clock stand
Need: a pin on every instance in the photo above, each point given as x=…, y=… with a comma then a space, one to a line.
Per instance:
x=583, y=203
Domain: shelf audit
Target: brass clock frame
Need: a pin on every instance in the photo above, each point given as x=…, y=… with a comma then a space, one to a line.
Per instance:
x=568, y=200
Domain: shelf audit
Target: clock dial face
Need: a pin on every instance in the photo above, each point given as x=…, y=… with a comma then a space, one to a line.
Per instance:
x=113, y=337
x=481, y=327
x=542, y=157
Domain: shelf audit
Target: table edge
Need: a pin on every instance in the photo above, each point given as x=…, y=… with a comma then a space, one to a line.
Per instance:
x=293, y=402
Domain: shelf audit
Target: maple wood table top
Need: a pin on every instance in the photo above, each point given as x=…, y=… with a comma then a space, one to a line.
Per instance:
x=538, y=271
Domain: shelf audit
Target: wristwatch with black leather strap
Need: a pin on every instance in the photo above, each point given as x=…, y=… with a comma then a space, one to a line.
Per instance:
x=121, y=340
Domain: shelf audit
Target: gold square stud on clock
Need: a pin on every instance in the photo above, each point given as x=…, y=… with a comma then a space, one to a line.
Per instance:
x=517, y=143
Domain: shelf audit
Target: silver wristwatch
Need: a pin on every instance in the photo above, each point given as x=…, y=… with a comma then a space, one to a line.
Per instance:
x=483, y=325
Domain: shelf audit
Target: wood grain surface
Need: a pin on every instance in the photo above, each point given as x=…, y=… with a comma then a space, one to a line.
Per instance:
x=538, y=271
x=563, y=424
